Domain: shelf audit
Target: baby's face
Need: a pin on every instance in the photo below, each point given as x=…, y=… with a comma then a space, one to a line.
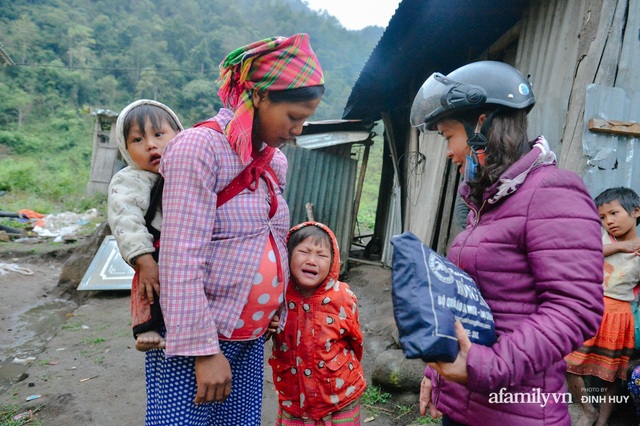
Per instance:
x=147, y=150
x=310, y=264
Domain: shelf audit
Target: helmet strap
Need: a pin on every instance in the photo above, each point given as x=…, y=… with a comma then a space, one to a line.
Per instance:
x=477, y=142
x=477, y=138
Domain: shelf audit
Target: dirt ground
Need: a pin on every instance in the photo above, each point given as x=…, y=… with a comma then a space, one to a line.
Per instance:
x=69, y=360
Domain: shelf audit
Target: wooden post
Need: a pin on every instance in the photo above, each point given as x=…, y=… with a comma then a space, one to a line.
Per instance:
x=309, y=208
x=356, y=202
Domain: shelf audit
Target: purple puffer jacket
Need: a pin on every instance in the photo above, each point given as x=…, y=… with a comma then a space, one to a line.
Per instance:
x=535, y=251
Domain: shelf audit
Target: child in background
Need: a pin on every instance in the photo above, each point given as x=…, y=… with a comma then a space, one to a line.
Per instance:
x=607, y=354
x=143, y=129
x=316, y=357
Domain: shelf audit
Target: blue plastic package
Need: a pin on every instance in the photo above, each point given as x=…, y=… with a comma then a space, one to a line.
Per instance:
x=429, y=294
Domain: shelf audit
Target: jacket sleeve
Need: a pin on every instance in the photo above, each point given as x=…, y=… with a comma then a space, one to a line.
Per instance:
x=128, y=201
x=563, y=249
x=190, y=169
x=354, y=332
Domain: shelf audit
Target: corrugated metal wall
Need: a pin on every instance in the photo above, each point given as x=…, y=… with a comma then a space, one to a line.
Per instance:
x=548, y=51
x=614, y=159
x=326, y=179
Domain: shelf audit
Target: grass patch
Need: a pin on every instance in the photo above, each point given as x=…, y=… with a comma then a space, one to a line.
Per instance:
x=375, y=395
x=403, y=410
x=13, y=415
x=379, y=402
x=72, y=326
x=426, y=420
x=13, y=223
x=91, y=341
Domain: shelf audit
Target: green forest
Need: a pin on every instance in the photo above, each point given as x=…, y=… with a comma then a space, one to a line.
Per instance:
x=74, y=57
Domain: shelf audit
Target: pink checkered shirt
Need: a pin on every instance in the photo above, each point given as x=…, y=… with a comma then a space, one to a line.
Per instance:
x=209, y=256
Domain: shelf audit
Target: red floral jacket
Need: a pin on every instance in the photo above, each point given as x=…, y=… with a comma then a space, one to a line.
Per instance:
x=316, y=357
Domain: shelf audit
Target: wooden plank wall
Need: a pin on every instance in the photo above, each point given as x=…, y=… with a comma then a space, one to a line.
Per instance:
x=425, y=183
x=628, y=74
x=613, y=159
x=597, y=63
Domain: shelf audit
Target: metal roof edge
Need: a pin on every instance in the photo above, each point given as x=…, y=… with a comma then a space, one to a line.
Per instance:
x=323, y=140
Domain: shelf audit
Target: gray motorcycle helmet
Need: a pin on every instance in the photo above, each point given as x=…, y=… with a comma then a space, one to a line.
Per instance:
x=470, y=87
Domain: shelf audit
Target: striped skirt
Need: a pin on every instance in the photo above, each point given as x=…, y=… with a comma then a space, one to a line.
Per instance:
x=607, y=354
x=349, y=415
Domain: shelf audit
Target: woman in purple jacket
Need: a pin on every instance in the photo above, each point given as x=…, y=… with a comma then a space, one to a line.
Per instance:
x=532, y=244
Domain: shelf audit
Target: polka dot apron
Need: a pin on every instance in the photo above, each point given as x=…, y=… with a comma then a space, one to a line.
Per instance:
x=265, y=297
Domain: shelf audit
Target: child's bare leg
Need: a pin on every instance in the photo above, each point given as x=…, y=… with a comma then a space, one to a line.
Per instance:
x=606, y=408
x=578, y=390
x=149, y=340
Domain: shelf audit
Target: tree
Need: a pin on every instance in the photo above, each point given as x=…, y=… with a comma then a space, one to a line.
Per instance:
x=80, y=40
x=24, y=34
x=15, y=104
x=200, y=100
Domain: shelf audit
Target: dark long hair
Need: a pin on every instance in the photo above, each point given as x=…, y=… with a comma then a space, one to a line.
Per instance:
x=300, y=94
x=507, y=142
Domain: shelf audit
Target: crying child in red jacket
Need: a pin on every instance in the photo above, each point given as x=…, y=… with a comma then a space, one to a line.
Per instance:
x=316, y=357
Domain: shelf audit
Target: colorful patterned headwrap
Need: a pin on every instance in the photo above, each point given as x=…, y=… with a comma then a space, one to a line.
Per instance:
x=276, y=63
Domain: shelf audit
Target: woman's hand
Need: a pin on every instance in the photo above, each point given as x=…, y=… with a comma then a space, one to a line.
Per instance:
x=213, y=377
x=456, y=371
x=426, y=401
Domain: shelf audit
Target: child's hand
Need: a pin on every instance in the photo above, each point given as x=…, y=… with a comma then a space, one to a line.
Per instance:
x=631, y=246
x=426, y=400
x=149, y=276
x=273, y=326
